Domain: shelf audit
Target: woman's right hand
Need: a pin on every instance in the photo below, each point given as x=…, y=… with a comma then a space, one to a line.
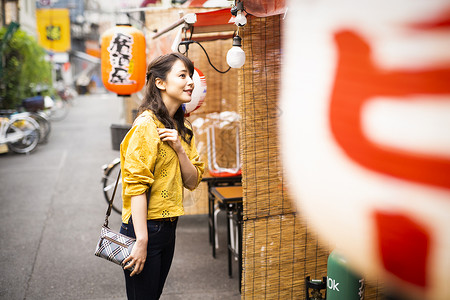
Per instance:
x=137, y=257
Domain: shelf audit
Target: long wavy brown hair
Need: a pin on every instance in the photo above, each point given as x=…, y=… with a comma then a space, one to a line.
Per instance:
x=159, y=68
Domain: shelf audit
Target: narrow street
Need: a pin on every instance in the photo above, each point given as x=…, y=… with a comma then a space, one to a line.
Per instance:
x=52, y=209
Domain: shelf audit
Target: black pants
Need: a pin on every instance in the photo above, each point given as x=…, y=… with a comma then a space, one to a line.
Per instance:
x=149, y=283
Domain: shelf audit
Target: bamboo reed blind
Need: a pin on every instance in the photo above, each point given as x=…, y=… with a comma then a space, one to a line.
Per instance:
x=279, y=249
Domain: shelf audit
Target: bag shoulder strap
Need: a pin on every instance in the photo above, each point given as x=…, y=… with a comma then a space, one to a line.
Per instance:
x=108, y=212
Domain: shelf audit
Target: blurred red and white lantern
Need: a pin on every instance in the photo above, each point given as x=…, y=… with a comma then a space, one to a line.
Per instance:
x=365, y=129
x=199, y=92
x=123, y=59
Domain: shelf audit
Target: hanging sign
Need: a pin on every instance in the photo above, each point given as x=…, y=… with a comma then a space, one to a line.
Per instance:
x=53, y=26
x=365, y=134
x=123, y=59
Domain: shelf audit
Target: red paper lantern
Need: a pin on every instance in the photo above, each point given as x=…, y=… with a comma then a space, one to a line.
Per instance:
x=365, y=136
x=199, y=92
x=123, y=59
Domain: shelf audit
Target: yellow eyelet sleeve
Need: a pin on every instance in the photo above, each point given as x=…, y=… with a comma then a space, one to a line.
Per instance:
x=139, y=158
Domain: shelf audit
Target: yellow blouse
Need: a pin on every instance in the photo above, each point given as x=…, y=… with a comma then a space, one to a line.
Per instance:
x=146, y=162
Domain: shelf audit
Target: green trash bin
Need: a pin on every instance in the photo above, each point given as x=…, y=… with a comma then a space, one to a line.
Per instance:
x=342, y=283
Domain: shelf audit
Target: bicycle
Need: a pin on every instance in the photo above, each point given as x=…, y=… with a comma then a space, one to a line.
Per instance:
x=55, y=106
x=34, y=107
x=20, y=133
x=59, y=110
x=44, y=124
x=110, y=173
x=111, y=170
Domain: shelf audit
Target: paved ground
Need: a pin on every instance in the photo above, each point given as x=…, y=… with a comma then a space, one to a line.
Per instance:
x=52, y=209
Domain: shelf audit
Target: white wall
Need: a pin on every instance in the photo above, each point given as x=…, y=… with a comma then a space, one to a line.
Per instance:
x=27, y=16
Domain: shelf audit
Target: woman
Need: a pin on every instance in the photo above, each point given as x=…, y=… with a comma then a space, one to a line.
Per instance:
x=158, y=158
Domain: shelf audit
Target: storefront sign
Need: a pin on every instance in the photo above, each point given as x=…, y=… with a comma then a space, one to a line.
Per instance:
x=53, y=26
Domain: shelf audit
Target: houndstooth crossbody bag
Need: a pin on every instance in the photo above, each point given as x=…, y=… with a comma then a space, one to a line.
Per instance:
x=114, y=246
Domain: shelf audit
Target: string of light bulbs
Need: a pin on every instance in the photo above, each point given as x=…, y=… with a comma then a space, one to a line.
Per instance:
x=236, y=55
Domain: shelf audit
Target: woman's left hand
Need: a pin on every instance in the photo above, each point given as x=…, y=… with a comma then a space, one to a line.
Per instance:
x=171, y=137
x=189, y=173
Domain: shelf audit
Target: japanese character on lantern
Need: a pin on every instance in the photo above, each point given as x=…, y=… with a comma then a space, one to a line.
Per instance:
x=123, y=60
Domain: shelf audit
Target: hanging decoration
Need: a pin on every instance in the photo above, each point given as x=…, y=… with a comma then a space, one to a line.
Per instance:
x=123, y=59
x=236, y=55
x=365, y=128
x=199, y=92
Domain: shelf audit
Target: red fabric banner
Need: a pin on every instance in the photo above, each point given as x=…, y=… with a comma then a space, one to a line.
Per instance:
x=258, y=8
x=265, y=8
x=216, y=17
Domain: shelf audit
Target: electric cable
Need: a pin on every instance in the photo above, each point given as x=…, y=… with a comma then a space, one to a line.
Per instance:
x=188, y=42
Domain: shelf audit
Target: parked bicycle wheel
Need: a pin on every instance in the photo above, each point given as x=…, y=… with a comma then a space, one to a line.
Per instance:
x=59, y=110
x=44, y=125
x=111, y=172
x=23, y=134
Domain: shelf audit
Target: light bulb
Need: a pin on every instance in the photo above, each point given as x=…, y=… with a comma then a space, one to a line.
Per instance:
x=240, y=19
x=236, y=56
